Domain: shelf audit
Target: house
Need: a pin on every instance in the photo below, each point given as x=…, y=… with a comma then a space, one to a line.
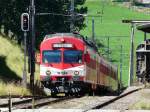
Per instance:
x=143, y=1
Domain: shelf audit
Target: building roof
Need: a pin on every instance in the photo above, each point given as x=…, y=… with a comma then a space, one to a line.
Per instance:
x=144, y=27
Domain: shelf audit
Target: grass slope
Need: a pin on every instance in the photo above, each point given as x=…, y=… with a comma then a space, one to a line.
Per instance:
x=11, y=68
x=111, y=26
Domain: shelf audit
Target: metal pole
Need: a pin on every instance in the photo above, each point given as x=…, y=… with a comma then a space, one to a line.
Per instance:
x=24, y=78
x=108, y=48
x=145, y=36
x=93, y=30
x=102, y=11
x=32, y=15
x=131, y=65
x=121, y=66
x=72, y=16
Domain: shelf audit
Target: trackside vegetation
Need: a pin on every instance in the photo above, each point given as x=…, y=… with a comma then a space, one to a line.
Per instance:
x=144, y=102
x=11, y=68
x=109, y=29
x=12, y=89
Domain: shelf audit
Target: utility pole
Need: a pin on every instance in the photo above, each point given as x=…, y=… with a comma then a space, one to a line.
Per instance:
x=32, y=48
x=24, y=82
x=108, y=47
x=93, y=30
x=131, y=69
x=102, y=10
x=121, y=59
x=72, y=16
x=145, y=36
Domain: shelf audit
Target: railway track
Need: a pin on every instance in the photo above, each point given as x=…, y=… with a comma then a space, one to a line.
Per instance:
x=36, y=103
x=85, y=103
x=111, y=101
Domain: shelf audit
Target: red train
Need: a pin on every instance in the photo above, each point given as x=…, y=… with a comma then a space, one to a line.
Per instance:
x=70, y=63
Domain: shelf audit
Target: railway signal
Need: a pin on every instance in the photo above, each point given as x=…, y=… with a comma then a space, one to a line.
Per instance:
x=25, y=28
x=25, y=22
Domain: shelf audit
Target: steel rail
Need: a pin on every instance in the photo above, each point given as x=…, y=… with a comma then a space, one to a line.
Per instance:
x=39, y=102
x=46, y=102
x=99, y=106
x=23, y=101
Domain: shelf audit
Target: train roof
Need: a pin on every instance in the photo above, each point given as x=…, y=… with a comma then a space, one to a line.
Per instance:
x=63, y=34
x=144, y=27
x=88, y=41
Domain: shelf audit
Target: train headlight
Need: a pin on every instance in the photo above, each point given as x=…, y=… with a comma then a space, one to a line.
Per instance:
x=48, y=72
x=76, y=73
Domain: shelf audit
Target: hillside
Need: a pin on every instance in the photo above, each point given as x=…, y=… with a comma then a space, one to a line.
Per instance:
x=110, y=26
x=11, y=62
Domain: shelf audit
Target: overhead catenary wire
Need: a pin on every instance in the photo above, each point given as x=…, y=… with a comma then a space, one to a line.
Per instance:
x=51, y=13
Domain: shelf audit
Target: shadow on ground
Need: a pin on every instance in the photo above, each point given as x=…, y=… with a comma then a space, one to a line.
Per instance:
x=6, y=74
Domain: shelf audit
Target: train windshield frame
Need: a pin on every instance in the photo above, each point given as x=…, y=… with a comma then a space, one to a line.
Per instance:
x=72, y=56
x=51, y=56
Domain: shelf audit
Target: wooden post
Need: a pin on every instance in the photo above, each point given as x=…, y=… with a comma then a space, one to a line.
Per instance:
x=9, y=103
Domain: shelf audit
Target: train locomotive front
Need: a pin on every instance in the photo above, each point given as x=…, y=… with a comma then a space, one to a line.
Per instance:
x=62, y=66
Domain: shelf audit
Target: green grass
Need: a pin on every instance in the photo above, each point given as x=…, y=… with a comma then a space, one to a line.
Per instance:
x=11, y=62
x=112, y=26
x=141, y=105
x=144, y=102
x=12, y=57
x=13, y=89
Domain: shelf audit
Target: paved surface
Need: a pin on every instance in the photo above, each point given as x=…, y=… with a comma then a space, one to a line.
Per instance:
x=69, y=110
x=79, y=103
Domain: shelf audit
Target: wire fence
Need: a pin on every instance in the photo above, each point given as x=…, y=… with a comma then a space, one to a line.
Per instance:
x=115, y=50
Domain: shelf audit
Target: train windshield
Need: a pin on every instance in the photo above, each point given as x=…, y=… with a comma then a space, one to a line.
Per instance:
x=53, y=56
x=72, y=56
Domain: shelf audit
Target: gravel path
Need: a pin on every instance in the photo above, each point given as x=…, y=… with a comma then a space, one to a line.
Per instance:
x=124, y=103
x=128, y=101
x=80, y=103
x=89, y=101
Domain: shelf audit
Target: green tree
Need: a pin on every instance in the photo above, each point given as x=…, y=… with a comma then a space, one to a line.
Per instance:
x=57, y=23
x=11, y=10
